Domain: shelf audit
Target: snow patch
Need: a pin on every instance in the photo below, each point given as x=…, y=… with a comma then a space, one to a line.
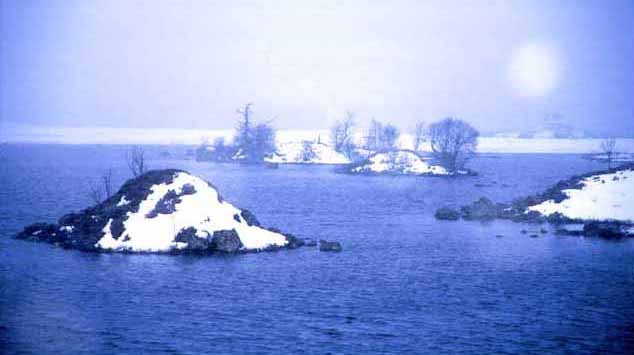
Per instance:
x=295, y=153
x=602, y=197
x=123, y=201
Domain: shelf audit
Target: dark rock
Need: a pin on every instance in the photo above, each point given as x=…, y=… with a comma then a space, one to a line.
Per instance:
x=499, y=236
x=166, y=205
x=194, y=243
x=543, y=231
x=325, y=245
x=482, y=209
x=293, y=241
x=446, y=213
x=608, y=230
x=310, y=243
x=37, y=232
x=249, y=218
x=534, y=236
x=226, y=241
x=188, y=189
x=523, y=231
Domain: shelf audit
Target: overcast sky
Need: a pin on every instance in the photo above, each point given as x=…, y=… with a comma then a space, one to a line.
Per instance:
x=501, y=65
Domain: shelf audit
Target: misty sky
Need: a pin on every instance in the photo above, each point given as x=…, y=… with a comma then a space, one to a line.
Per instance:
x=501, y=65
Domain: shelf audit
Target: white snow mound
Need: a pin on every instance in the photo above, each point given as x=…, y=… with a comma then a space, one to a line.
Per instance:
x=603, y=197
x=306, y=152
x=201, y=210
x=399, y=162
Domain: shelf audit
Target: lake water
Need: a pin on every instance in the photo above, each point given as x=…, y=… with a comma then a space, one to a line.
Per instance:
x=404, y=284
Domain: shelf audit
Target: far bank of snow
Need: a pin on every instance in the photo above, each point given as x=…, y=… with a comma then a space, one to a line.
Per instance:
x=107, y=135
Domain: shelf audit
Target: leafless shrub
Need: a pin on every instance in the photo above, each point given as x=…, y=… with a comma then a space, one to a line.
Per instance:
x=135, y=158
x=608, y=148
x=341, y=134
x=101, y=190
x=419, y=135
x=453, y=142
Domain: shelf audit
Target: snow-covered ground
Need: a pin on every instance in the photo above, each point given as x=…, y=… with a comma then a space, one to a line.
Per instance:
x=101, y=135
x=307, y=152
x=603, y=197
x=400, y=162
x=202, y=210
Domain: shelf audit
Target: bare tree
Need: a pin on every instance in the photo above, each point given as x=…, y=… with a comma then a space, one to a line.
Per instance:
x=307, y=154
x=135, y=158
x=608, y=148
x=453, y=142
x=102, y=190
x=253, y=141
x=263, y=142
x=243, y=137
x=419, y=135
x=381, y=137
x=389, y=137
x=341, y=134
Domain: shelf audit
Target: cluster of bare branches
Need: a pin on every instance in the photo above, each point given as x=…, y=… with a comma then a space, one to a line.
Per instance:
x=135, y=158
x=608, y=147
x=453, y=142
x=101, y=189
x=381, y=136
x=419, y=135
x=342, y=136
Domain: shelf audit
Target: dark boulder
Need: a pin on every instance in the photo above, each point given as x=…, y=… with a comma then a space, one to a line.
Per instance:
x=226, y=241
x=446, y=213
x=325, y=245
x=482, y=209
x=194, y=243
x=249, y=218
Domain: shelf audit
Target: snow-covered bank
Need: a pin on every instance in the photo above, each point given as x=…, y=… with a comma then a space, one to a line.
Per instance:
x=104, y=135
x=601, y=197
x=162, y=211
x=601, y=202
x=399, y=162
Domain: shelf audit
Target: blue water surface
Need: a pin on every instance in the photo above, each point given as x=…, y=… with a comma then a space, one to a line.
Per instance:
x=404, y=284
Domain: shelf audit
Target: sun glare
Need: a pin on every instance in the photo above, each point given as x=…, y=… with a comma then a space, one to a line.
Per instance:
x=535, y=69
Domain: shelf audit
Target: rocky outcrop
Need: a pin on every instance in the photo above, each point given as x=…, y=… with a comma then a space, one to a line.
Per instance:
x=524, y=209
x=164, y=211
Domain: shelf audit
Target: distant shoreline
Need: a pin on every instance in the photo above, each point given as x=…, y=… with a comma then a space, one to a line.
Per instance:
x=194, y=137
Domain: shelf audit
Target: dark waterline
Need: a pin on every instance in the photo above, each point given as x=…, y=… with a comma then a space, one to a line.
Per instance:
x=405, y=283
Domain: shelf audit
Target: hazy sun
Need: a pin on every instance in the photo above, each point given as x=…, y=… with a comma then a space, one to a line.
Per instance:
x=535, y=69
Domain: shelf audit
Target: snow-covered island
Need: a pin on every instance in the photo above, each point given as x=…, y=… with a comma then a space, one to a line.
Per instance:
x=399, y=162
x=162, y=211
x=602, y=202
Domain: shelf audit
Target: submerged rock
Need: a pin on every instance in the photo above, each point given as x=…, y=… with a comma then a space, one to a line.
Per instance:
x=446, y=213
x=325, y=245
x=162, y=211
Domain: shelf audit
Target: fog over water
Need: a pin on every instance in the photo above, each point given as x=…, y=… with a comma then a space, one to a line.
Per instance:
x=501, y=65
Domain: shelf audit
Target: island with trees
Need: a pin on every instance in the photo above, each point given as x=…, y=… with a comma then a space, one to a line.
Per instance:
x=442, y=149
